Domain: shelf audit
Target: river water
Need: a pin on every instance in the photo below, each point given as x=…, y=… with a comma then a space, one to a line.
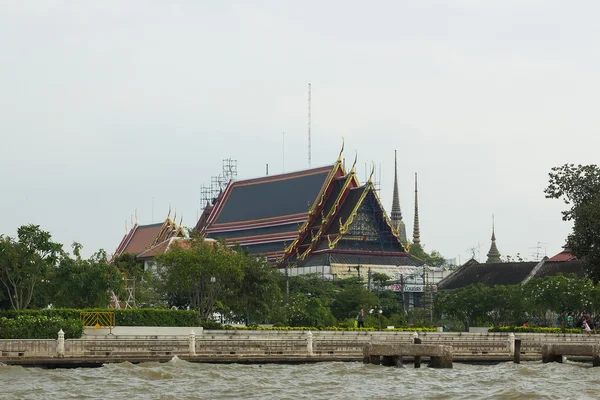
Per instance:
x=178, y=379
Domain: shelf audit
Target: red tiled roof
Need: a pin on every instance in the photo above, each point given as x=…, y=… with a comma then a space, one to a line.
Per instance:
x=142, y=238
x=564, y=255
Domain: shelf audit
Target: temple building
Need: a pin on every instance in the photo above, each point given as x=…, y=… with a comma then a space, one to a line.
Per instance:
x=319, y=220
x=143, y=240
x=508, y=273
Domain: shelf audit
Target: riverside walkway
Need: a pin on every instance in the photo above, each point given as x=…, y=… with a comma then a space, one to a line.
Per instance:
x=268, y=346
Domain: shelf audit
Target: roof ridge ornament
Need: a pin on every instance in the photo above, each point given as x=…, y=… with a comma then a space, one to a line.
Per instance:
x=339, y=160
x=372, y=171
x=353, y=169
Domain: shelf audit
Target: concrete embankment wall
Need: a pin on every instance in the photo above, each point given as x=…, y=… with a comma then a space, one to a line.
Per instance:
x=150, y=343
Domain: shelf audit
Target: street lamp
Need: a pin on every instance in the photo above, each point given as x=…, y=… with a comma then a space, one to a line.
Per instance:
x=377, y=310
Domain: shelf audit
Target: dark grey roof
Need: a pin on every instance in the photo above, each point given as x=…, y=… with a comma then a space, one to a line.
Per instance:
x=265, y=247
x=489, y=274
x=273, y=196
x=552, y=268
x=349, y=258
x=291, y=228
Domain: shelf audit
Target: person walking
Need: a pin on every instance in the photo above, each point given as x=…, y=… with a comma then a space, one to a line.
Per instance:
x=361, y=318
x=587, y=327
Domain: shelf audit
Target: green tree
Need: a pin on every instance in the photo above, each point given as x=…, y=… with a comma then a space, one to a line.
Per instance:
x=579, y=187
x=25, y=262
x=435, y=259
x=467, y=304
x=312, y=285
x=81, y=283
x=257, y=293
x=144, y=281
x=200, y=276
x=351, y=299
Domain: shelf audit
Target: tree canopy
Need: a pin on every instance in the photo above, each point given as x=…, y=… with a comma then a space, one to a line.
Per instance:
x=579, y=187
x=25, y=261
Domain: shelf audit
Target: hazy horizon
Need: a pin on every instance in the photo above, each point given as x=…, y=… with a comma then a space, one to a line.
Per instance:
x=117, y=106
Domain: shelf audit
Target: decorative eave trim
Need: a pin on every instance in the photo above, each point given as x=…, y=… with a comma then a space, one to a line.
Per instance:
x=363, y=252
x=326, y=222
x=216, y=210
x=125, y=241
x=275, y=237
x=259, y=223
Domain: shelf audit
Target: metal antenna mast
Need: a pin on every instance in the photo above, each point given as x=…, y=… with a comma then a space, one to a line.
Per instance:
x=309, y=125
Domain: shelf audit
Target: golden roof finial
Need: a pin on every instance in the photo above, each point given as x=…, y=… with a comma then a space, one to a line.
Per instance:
x=181, y=220
x=136, y=217
x=126, y=228
x=353, y=169
x=175, y=216
x=372, y=171
x=341, y=151
x=131, y=217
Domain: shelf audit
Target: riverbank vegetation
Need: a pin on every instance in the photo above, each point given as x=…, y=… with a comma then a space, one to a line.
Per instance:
x=552, y=301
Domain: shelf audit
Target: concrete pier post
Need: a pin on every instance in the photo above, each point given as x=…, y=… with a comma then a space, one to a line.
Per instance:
x=416, y=340
x=60, y=346
x=511, y=343
x=309, y=343
x=517, y=351
x=192, y=343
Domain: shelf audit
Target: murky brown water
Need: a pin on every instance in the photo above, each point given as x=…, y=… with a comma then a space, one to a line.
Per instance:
x=178, y=379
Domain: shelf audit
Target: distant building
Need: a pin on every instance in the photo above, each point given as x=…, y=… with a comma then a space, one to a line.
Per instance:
x=508, y=273
x=147, y=241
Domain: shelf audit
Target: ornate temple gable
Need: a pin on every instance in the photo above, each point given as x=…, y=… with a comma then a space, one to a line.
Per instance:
x=364, y=225
x=328, y=215
x=169, y=229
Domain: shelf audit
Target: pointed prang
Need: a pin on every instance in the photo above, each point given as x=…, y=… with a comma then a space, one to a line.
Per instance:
x=396, y=216
x=416, y=233
x=493, y=256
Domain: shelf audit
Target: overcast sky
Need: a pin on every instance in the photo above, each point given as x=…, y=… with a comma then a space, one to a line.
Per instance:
x=105, y=106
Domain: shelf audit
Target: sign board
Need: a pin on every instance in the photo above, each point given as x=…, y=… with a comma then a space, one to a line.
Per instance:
x=396, y=287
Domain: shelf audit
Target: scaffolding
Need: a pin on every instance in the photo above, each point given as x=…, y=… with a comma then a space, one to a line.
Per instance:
x=218, y=183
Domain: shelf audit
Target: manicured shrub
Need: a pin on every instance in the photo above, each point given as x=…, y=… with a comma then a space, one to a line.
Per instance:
x=39, y=327
x=123, y=317
x=534, y=329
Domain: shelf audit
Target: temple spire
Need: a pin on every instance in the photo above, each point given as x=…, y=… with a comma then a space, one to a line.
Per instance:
x=493, y=256
x=397, y=221
x=416, y=234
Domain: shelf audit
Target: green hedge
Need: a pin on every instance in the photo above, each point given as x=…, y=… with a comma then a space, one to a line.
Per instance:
x=39, y=327
x=127, y=317
x=328, y=328
x=534, y=329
